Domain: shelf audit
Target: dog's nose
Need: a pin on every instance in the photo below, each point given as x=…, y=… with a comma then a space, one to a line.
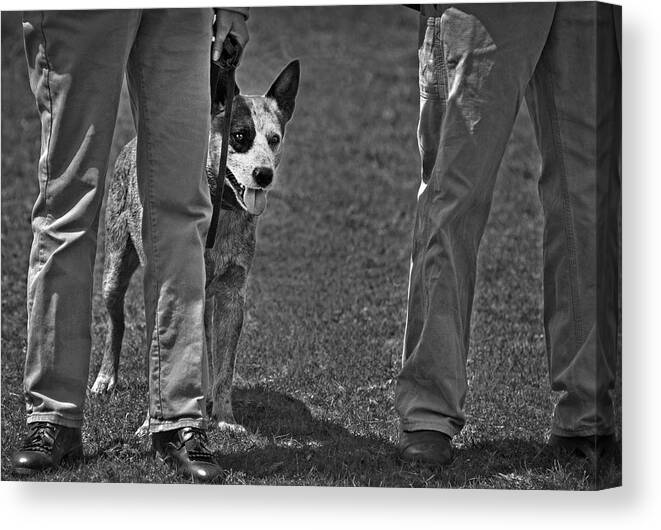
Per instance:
x=263, y=176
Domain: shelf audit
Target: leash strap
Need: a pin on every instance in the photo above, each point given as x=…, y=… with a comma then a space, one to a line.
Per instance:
x=228, y=61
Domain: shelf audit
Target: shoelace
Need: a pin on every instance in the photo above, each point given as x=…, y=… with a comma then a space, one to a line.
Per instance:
x=196, y=442
x=40, y=438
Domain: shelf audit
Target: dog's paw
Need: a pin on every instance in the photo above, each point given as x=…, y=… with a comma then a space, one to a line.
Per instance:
x=143, y=430
x=234, y=428
x=222, y=417
x=104, y=384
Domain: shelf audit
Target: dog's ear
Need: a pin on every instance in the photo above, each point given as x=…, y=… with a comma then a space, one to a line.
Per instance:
x=284, y=89
x=219, y=79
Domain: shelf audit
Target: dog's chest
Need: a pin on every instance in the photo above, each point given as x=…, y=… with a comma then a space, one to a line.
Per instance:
x=234, y=245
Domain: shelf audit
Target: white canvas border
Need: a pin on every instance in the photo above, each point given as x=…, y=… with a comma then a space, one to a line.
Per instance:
x=634, y=505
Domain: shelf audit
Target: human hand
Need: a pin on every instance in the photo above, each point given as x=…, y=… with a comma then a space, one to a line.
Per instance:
x=229, y=23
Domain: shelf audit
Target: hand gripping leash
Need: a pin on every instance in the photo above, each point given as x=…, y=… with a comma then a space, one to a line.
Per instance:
x=229, y=59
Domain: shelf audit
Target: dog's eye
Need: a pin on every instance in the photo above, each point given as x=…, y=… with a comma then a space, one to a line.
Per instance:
x=274, y=140
x=238, y=137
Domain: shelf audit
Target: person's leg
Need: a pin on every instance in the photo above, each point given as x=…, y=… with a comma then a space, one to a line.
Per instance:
x=169, y=84
x=76, y=62
x=575, y=102
x=487, y=54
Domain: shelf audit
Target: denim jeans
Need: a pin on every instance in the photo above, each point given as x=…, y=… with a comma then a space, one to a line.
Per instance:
x=76, y=63
x=477, y=62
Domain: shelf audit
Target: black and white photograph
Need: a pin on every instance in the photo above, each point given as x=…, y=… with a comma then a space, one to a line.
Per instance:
x=372, y=246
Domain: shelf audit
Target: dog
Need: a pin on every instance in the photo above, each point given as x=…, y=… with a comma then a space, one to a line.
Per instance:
x=255, y=150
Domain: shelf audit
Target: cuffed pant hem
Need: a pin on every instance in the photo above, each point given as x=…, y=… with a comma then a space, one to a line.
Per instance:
x=54, y=417
x=590, y=431
x=161, y=425
x=440, y=426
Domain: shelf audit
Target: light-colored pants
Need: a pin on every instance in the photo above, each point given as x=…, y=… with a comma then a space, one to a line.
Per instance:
x=76, y=62
x=476, y=64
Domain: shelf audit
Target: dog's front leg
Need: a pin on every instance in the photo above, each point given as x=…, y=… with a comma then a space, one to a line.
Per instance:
x=229, y=301
x=120, y=263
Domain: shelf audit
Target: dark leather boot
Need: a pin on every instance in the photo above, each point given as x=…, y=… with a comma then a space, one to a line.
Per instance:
x=425, y=447
x=186, y=451
x=45, y=446
x=592, y=448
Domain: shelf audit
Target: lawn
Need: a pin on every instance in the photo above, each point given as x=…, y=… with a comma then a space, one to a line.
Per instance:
x=321, y=344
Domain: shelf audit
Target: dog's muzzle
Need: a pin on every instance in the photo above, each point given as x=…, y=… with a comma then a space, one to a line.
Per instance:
x=236, y=196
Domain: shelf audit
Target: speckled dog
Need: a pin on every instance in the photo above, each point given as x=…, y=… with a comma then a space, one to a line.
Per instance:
x=255, y=149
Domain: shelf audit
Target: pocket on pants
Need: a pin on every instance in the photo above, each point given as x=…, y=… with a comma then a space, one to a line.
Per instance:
x=432, y=97
x=431, y=62
x=468, y=58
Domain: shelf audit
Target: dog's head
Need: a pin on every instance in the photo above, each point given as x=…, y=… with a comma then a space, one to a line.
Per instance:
x=256, y=138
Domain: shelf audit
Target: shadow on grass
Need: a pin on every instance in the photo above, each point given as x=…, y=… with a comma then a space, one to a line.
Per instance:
x=295, y=444
x=302, y=449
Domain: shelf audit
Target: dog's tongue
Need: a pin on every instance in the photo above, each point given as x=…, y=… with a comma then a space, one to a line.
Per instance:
x=255, y=200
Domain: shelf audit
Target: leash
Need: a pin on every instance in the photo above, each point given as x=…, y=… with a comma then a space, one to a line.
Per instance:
x=229, y=59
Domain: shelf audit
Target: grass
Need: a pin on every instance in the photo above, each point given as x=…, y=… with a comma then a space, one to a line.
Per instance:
x=321, y=344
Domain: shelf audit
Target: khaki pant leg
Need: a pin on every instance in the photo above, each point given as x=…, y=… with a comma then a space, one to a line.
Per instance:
x=169, y=86
x=76, y=62
x=489, y=53
x=575, y=102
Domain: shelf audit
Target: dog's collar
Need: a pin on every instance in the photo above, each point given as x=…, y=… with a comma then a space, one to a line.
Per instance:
x=228, y=201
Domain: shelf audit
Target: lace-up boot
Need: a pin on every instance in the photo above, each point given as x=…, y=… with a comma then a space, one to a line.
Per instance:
x=45, y=446
x=187, y=451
